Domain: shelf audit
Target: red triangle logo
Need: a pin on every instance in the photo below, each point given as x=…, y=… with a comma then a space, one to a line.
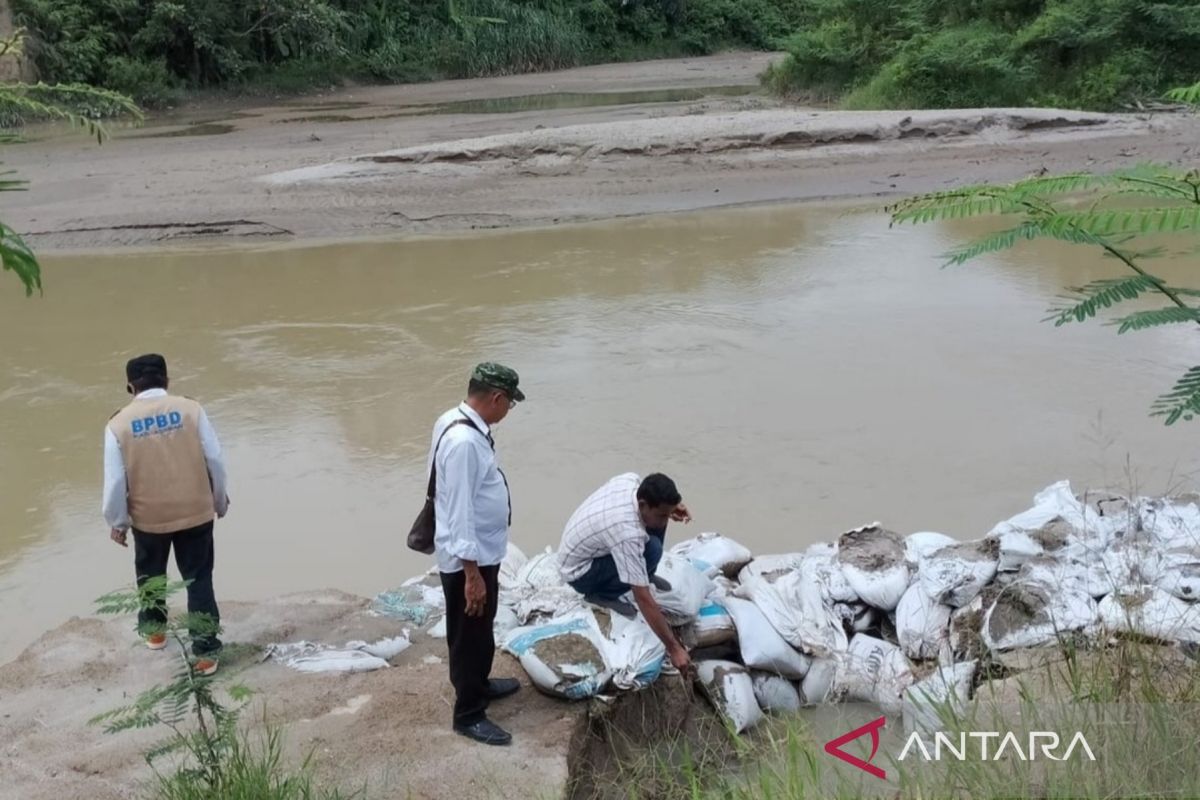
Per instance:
x=834, y=748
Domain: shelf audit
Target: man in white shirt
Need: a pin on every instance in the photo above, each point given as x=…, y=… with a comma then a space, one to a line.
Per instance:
x=164, y=477
x=473, y=509
x=612, y=545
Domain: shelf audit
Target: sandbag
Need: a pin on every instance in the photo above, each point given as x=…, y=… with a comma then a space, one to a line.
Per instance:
x=419, y=600
x=775, y=695
x=564, y=657
x=713, y=625
x=539, y=572
x=795, y=607
x=730, y=689
x=921, y=623
x=919, y=545
x=1151, y=611
x=636, y=654
x=875, y=671
x=506, y=620
x=511, y=566
x=858, y=617
x=827, y=571
x=956, y=574
x=761, y=645
x=1171, y=523
x=820, y=684
x=1180, y=573
x=1126, y=563
x=714, y=550
x=1029, y=613
x=771, y=567
x=942, y=695
x=873, y=561
x=689, y=588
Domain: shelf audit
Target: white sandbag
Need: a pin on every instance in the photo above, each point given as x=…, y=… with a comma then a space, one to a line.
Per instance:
x=1171, y=524
x=943, y=695
x=689, y=589
x=921, y=623
x=827, y=571
x=761, y=646
x=506, y=620
x=438, y=630
x=1057, y=503
x=1151, y=611
x=1180, y=573
x=873, y=561
x=419, y=600
x=965, y=630
x=1030, y=613
x=771, y=567
x=875, y=671
x=355, y=656
x=1125, y=563
x=919, y=545
x=510, y=567
x=565, y=657
x=795, y=607
x=714, y=550
x=1016, y=547
x=858, y=617
x=775, y=695
x=713, y=625
x=539, y=572
x=730, y=689
x=636, y=654
x=722, y=586
x=956, y=574
x=820, y=684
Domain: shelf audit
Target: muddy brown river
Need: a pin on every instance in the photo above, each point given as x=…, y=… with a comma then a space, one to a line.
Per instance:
x=798, y=371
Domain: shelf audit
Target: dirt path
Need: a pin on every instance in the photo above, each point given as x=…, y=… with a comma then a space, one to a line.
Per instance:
x=580, y=145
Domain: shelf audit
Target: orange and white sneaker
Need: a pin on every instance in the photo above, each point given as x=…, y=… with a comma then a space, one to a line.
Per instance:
x=206, y=666
x=156, y=641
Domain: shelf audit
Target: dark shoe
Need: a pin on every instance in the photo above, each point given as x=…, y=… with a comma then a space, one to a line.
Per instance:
x=662, y=584
x=619, y=606
x=502, y=687
x=485, y=731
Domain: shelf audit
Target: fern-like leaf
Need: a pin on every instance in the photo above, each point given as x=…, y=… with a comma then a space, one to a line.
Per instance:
x=1183, y=401
x=1089, y=299
x=954, y=205
x=1126, y=221
x=1186, y=94
x=1141, y=320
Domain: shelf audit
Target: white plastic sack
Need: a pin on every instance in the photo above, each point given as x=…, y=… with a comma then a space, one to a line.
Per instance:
x=820, y=684
x=770, y=568
x=510, y=567
x=857, y=616
x=689, y=588
x=438, y=631
x=875, y=671
x=714, y=550
x=919, y=545
x=1124, y=564
x=956, y=574
x=1057, y=506
x=564, y=657
x=1151, y=611
x=942, y=695
x=1029, y=613
x=539, y=572
x=356, y=656
x=761, y=645
x=1172, y=524
x=795, y=607
x=713, y=625
x=506, y=620
x=1016, y=547
x=827, y=571
x=730, y=689
x=636, y=654
x=1180, y=574
x=922, y=623
x=775, y=695
x=873, y=561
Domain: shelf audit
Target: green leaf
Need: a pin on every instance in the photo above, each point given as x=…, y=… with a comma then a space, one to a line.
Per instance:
x=1187, y=94
x=1144, y=221
x=1183, y=401
x=1089, y=299
x=1172, y=315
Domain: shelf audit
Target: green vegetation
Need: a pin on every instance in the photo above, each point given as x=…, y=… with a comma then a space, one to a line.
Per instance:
x=212, y=758
x=1097, y=54
x=151, y=49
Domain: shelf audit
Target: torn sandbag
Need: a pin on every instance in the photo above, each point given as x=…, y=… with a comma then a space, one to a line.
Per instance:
x=1056, y=518
x=418, y=600
x=564, y=657
x=539, y=572
x=1029, y=613
x=713, y=625
x=875, y=671
x=873, y=561
x=956, y=574
x=921, y=623
x=1171, y=524
x=941, y=698
x=730, y=689
x=820, y=684
x=760, y=644
x=771, y=567
x=827, y=571
x=1127, y=562
x=689, y=588
x=714, y=550
x=1151, y=611
x=857, y=617
x=796, y=609
x=965, y=633
x=635, y=655
x=506, y=620
x=919, y=545
x=1180, y=573
x=510, y=567
x=775, y=695
x=356, y=656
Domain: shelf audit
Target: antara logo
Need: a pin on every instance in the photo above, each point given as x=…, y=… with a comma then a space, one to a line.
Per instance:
x=834, y=747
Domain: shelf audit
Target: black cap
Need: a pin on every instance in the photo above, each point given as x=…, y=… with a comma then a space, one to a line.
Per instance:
x=151, y=365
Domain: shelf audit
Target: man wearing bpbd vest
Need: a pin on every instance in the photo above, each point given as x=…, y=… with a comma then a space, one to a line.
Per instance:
x=165, y=479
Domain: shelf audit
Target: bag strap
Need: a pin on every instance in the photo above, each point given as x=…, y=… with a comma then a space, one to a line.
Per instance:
x=431, y=494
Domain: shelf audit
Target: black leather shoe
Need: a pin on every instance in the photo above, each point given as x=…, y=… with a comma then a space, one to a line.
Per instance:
x=502, y=687
x=485, y=731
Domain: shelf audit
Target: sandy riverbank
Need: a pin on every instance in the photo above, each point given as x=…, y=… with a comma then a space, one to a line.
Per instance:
x=456, y=156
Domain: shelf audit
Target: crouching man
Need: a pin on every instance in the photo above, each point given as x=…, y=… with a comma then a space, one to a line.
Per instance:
x=612, y=546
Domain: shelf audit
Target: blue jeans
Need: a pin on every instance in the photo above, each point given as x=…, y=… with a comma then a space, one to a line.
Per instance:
x=602, y=581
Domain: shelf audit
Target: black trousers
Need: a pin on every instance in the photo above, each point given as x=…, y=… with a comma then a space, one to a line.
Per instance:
x=472, y=643
x=194, y=558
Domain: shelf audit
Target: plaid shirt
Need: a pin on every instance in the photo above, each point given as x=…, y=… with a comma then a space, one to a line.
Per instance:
x=608, y=523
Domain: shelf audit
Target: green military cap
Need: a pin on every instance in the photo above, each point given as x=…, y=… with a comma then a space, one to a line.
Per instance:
x=500, y=377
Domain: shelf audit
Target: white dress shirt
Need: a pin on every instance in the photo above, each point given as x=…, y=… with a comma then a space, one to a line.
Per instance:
x=608, y=523
x=116, y=488
x=471, y=503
